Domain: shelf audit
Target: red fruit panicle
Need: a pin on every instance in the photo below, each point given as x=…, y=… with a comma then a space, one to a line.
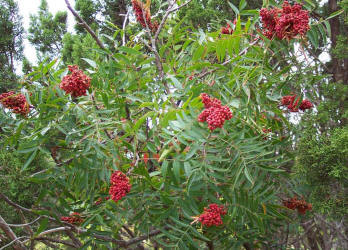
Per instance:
x=292, y=103
x=120, y=186
x=214, y=114
x=76, y=83
x=285, y=23
x=146, y=158
x=212, y=215
x=141, y=11
x=227, y=30
x=16, y=102
x=74, y=218
x=301, y=205
x=306, y=105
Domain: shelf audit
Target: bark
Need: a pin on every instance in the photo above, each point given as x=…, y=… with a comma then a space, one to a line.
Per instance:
x=339, y=67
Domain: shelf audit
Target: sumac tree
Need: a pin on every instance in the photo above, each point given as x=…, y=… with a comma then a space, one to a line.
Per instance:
x=175, y=139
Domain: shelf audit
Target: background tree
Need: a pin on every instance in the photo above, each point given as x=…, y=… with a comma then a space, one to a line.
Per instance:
x=46, y=31
x=11, y=47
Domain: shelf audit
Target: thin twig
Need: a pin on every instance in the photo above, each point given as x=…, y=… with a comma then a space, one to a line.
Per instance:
x=9, y=244
x=165, y=17
x=124, y=29
x=23, y=225
x=229, y=60
x=85, y=25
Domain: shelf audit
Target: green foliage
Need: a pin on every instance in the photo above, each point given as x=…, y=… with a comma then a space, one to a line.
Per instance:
x=322, y=160
x=212, y=13
x=15, y=184
x=88, y=9
x=77, y=47
x=145, y=101
x=46, y=31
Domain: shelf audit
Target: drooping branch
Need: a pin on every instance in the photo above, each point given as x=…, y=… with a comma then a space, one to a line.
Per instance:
x=85, y=25
x=72, y=228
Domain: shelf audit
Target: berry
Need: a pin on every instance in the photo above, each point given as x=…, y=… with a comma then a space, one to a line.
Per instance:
x=76, y=83
x=212, y=215
x=120, y=186
x=214, y=114
x=16, y=102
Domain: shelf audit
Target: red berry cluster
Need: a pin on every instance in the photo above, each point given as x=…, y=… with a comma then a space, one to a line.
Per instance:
x=228, y=29
x=212, y=215
x=285, y=23
x=141, y=11
x=293, y=104
x=301, y=205
x=120, y=186
x=214, y=114
x=16, y=102
x=74, y=218
x=76, y=83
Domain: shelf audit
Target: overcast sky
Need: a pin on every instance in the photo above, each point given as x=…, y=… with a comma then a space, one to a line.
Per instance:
x=27, y=7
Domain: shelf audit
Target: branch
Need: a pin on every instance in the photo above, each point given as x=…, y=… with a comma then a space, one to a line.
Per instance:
x=2, y=196
x=8, y=201
x=69, y=226
x=144, y=237
x=124, y=29
x=11, y=235
x=23, y=225
x=64, y=242
x=53, y=230
x=244, y=51
x=85, y=25
x=164, y=19
x=9, y=244
x=76, y=241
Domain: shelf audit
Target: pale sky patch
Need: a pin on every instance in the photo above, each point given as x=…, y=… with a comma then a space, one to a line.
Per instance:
x=27, y=7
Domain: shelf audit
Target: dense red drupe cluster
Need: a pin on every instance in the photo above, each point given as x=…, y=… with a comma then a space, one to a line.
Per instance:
x=214, y=114
x=212, y=215
x=16, y=102
x=292, y=103
x=285, y=23
x=76, y=83
x=120, y=186
x=74, y=218
x=141, y=11
x=301, y=205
